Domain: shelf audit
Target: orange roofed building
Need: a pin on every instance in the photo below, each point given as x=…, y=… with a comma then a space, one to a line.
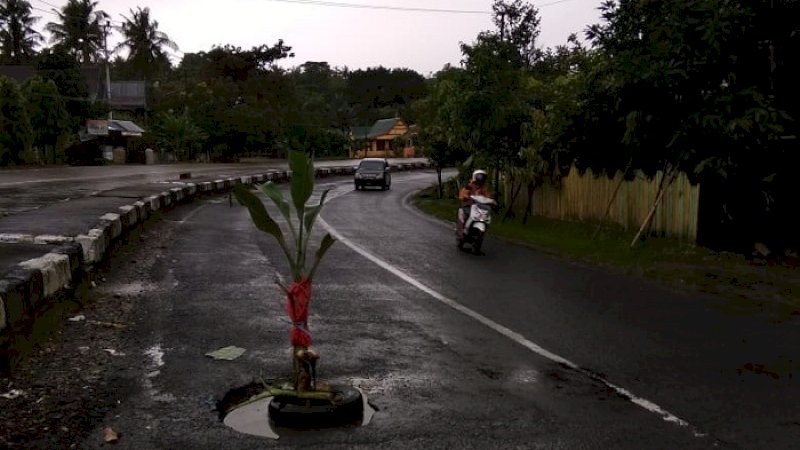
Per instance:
x=386, y=138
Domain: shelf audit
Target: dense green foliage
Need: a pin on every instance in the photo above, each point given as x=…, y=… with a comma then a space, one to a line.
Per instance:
x=707, y=87
x=18, y=39
x=16, y=134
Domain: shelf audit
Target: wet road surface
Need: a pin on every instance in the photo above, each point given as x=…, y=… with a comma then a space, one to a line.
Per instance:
x=515, y=349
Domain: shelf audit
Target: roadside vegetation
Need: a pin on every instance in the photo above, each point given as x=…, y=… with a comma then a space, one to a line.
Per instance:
x=743, y=285
x=700, y=89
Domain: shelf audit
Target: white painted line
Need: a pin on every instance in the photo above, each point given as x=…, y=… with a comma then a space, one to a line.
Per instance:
x=191, y=214
x=510, y=334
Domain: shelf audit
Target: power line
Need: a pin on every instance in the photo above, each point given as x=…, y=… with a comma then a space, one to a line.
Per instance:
x=59, y=14
x=400, y=8
x=49, y=4
x=391, y=8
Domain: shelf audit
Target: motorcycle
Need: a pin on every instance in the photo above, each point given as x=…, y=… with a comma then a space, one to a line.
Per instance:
x=480, y=216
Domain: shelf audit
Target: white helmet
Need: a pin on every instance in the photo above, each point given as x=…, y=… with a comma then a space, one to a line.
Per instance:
x=479, y=176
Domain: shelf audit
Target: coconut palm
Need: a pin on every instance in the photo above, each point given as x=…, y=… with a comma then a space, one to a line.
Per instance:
x=145, y=44
x=18, y=39
x=80, y=30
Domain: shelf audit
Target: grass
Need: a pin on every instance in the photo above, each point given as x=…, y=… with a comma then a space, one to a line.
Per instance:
x=744, y=286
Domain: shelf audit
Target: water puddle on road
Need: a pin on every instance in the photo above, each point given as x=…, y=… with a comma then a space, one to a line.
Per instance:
x=254, y=419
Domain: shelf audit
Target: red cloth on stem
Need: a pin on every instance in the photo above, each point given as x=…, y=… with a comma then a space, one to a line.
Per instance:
x=297, y=300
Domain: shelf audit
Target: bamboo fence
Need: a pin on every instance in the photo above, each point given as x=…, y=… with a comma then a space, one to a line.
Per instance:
x=586, y=198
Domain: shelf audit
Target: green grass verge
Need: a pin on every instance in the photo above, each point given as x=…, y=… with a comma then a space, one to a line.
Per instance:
x=745, y=288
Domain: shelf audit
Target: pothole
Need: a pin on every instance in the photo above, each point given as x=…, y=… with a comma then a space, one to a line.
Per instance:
x=271, y=417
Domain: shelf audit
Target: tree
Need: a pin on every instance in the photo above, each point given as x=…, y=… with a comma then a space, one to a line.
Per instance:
x=178, y=134
x=145, y=44
x=517, y=23
x=79, y=30
x=18, y=39
x=380, y=93
x=443, y=135
x=58, y=65
x=693, y=86
x=497, y=105
x=16, y=134
x=48, y=116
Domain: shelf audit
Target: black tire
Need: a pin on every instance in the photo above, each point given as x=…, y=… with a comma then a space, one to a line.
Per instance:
x=293, y=412
x=357, y=186
x=477, y=243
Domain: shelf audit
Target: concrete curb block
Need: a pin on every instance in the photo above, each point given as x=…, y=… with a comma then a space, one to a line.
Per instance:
x=50, y=239
x=165, y=199
x=153, y=203
x=114, y=222
x=176, y=194
x=26, y=288
x=55, y=270
x=128, y=216
x=21, y=292
x=141, y=210
x=16, y=238
x=25, y=291
x=93, y=245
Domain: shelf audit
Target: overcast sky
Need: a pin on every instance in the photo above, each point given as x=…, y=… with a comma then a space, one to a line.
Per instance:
x=343, y=36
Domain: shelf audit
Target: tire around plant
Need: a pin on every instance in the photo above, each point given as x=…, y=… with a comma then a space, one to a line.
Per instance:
x=293, y=412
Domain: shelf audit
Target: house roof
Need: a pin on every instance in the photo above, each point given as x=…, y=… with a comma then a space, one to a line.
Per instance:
x=382, y=127
x=379, y=128
x=127, y=127
x=124, y=94
x=360, y=132
x=128, y=94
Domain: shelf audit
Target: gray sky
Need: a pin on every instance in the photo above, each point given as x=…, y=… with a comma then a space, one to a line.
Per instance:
x=343, y=36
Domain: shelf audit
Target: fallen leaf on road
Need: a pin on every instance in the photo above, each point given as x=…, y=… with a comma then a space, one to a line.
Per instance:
x=108, y=324
x=228, y=353
x=109, y=435
x=12, y=394
x=77, y=318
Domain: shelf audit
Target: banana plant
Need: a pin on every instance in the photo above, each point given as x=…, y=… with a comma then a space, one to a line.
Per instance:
x=300, y=219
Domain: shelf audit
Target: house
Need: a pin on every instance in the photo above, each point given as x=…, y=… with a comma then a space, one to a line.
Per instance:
x=110, y=138
x=381, y=140
x=125, y=95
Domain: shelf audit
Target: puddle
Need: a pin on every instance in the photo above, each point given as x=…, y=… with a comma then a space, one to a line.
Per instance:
x=254, y=419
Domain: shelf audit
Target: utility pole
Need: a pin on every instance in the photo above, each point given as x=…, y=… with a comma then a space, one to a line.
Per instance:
x=106, y=28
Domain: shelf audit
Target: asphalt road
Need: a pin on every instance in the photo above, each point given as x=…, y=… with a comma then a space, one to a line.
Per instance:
x=516, y=349
x=31, y=188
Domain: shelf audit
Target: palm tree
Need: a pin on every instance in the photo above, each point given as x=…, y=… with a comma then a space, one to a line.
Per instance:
x=145, y=44
x=80, y=30
x=17, y=36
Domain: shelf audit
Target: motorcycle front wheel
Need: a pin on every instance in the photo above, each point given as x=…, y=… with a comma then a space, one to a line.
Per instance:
x=477, y=243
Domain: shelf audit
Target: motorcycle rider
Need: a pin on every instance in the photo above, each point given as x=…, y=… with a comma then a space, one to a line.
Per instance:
x=476, y=186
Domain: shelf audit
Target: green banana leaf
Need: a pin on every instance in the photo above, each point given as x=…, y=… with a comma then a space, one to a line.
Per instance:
x=302, y=184
x=326, y=244
x=271, y=191
x=263, y=220
x=313, y=211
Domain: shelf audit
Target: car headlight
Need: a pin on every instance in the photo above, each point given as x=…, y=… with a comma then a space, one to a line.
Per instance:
x=358, y=175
